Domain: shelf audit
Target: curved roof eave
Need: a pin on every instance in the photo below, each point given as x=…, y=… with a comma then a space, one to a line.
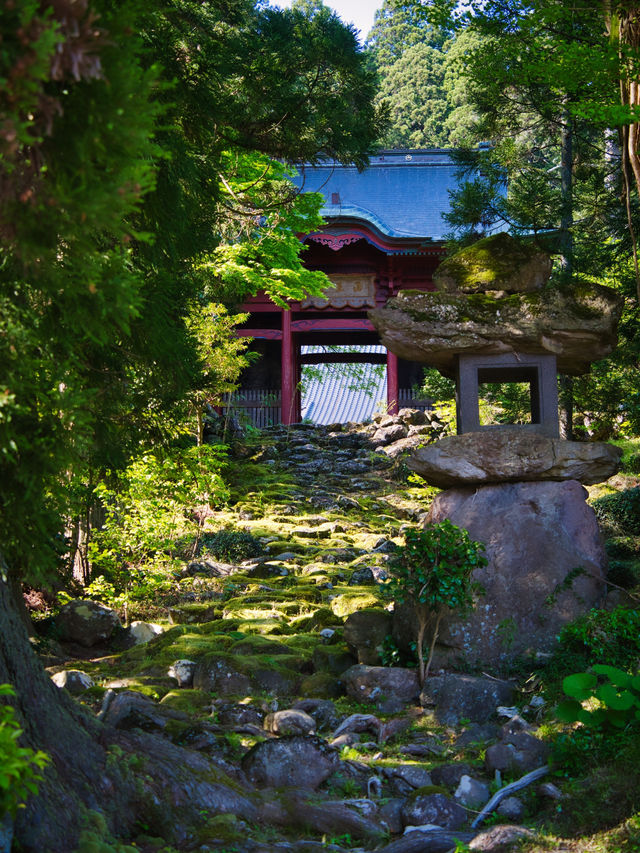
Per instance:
x=354, y=211
x=343, y=229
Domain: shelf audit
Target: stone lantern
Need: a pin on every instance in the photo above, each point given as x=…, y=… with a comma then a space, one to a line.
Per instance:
x=518, y=488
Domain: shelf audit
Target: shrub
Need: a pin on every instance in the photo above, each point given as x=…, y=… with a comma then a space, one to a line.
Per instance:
x=232, y=546
x=631, y=465
x=611, y=700
x=148, y=511
x=620, y=511
x=601, y=635
x=433, y=572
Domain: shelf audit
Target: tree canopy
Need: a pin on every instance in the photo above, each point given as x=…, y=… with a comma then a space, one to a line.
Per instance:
x=132, y=136
x=420, y=69
x=143, y=187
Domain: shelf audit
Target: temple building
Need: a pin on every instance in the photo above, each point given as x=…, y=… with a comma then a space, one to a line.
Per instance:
x=384, y=232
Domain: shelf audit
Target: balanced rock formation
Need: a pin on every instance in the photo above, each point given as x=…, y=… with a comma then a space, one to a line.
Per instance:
x=545, y=566
x=514, y=488
x=511, y=454
x=576, y=324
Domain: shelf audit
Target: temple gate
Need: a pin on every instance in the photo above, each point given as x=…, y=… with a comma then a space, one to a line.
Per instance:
x=384, y=233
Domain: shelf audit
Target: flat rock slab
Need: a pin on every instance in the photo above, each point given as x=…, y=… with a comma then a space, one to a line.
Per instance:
x=577, y=325
x=511, y=454
x=545, y=567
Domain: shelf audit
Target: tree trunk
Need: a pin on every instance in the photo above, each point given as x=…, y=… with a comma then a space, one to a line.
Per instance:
x=566, y=252
x=566, y=191
x=566, y=406
x=432, y=647
x=77, y=778
x=623, y=28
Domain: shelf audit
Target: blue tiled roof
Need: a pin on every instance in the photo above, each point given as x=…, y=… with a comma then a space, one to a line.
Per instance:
x=402, y=193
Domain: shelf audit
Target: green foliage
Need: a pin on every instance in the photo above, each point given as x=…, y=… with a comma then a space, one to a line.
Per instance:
x=262, y=214
x=500, y=402
x=541, y=79
x=433, y=572
x=20, y=767
x=148, y=509
x=231, y=546
x=438, y=387
x=607, y=402
x=72, y=182
x=420, y=72
x=435, y=565
x=132, y=150
x=620, y=511
x=612, y=636
x=612, y=700
x=96, y=838
x=582, y=747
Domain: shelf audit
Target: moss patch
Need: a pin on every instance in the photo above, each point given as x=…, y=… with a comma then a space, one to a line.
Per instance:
x=189, y=701
x=347, y=603
x=488, y=264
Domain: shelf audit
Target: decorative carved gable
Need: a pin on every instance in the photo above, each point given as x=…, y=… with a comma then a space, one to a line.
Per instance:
x=351, y=291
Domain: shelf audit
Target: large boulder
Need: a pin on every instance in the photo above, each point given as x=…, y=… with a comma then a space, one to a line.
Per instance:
x=389, y=688
x=517, y=753
x=290, y=721
x=433, y=808
x=86, y=622
x=218, y=675
x=455, y=696
x=296, y=761
x=545, y=567
x=365, y=632
x=74, y=680
x=509, y=454
x=499, y=262
x=577, y=324
x=239, y=674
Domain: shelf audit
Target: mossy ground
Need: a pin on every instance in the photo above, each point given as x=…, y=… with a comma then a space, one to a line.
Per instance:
x=269, y=617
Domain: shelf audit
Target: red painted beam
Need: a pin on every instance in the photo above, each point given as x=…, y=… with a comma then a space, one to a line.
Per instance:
x=342, y=358
x=336, y=325
x=264, y=334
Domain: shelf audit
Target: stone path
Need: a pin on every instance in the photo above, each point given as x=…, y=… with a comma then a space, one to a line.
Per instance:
x=272, y=675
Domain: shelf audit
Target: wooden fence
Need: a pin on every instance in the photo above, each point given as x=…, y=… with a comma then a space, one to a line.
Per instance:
x=408, y=400
x=255, y=406
x=262, y=408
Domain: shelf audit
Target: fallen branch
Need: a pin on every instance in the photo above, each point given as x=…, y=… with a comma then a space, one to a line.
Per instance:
x=509, y=789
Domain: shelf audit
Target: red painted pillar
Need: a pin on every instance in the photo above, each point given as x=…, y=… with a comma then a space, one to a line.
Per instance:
x=288, y=371
x=297, y=376
x=392, y=383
